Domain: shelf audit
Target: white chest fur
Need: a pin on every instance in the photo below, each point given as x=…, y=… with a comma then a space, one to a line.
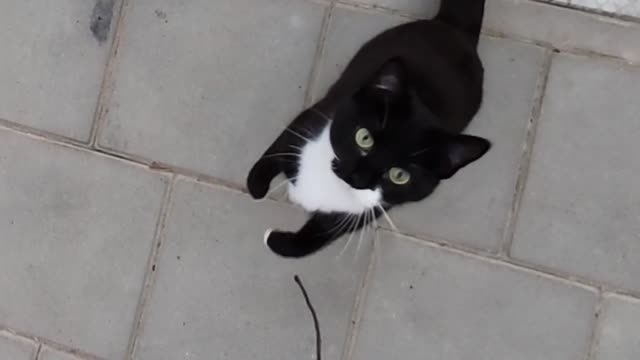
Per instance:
x=318, y=188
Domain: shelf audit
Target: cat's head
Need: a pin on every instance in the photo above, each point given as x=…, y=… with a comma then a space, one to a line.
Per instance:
x=383, y=138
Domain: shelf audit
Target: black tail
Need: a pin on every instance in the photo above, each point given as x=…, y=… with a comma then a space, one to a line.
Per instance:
x=465, y=15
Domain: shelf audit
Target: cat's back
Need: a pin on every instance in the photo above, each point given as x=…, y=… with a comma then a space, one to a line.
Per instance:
x=442, y=64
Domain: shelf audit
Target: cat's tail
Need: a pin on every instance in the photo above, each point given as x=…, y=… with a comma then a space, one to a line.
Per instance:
x=465, y=15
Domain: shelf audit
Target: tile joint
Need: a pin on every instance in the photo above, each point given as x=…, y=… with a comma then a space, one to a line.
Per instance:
x=594, y=339
x=40, y=343
x=106, y=86
x=36, y=354
x=526, y=155
x=317, y=60
x=533, y=269
x=152, y=264
x=358, y=306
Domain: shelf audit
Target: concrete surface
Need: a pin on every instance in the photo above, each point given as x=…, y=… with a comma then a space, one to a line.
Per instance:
x=126, y=130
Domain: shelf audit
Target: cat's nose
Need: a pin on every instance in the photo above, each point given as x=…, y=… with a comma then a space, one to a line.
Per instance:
x=360, y=181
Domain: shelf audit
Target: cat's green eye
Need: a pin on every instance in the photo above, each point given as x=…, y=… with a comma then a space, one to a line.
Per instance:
x=399, y=176
x=364, y=139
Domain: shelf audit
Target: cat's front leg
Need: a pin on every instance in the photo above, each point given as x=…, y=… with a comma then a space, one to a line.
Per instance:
x=261, y=175
x=281, y=155
x=319, y=231
x=269, y=166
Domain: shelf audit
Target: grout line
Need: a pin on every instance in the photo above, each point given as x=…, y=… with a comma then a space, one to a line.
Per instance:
x=356, y=6
x=495, y=260
x=64, y=142
x=40, y=342
x=358, y=306
x=161, y=167
x=519, y=265
x=589, y=10
x=104, y=96
x=316, y=66
x=594, y=338
x=40, y=134
x=150, y=274
x=36, y=355
x=560, y=48
x=154, y=166
x=568, y=6
x=527, y=153
x=489, y=251
x=380, y=9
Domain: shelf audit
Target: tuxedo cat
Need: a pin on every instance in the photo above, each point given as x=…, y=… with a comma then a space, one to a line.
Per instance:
x=386, y=133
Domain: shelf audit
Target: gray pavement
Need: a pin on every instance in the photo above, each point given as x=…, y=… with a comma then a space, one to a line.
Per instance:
x=125, y=231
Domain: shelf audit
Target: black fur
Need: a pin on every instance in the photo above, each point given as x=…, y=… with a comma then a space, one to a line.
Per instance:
x=415, y=87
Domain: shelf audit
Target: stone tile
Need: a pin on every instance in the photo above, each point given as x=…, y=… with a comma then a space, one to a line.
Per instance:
x=427, y=302
x=208, y=85
x=51, y=65
x=220, y=293
x=472, y=207
x=580, y=210
x=564, y=28
x=349, y=29
x=50, y=354
x=422, y=8
x=617, y=337
x=76, y=232
x=15, y=349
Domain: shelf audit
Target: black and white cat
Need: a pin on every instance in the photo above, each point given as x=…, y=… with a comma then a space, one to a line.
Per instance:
x=387, y=132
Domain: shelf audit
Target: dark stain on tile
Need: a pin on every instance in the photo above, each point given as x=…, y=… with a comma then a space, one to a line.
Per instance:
x=101, y=19
x=161, y=14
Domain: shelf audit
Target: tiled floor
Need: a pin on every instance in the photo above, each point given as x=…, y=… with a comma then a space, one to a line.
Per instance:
x=126, y=233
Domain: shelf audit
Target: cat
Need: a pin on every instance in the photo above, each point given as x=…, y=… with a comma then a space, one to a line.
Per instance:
x=387, y=132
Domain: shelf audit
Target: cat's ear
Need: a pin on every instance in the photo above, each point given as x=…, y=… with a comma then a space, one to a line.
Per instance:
x=389, y=81
x=456, y=152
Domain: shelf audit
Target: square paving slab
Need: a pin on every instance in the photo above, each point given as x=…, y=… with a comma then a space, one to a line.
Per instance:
x=581, y=207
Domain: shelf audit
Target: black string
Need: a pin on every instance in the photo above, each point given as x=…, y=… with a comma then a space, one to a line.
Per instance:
x=313, y=314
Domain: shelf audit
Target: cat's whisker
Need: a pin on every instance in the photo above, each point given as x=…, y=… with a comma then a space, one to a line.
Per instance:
x=281, y=154
x=343, y=226
x=375, y=221
x=307, y=131
x=275, y=188
x=339, y=224
x=346, y=244
x=362, y=228
x=386, y=216
x=365, y=227
x=321, y=114
x=377, y=234
x=297, y=134
x=351, y=231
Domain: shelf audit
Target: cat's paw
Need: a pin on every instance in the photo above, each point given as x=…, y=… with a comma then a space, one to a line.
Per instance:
x=283, y=244
x=256, y=184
